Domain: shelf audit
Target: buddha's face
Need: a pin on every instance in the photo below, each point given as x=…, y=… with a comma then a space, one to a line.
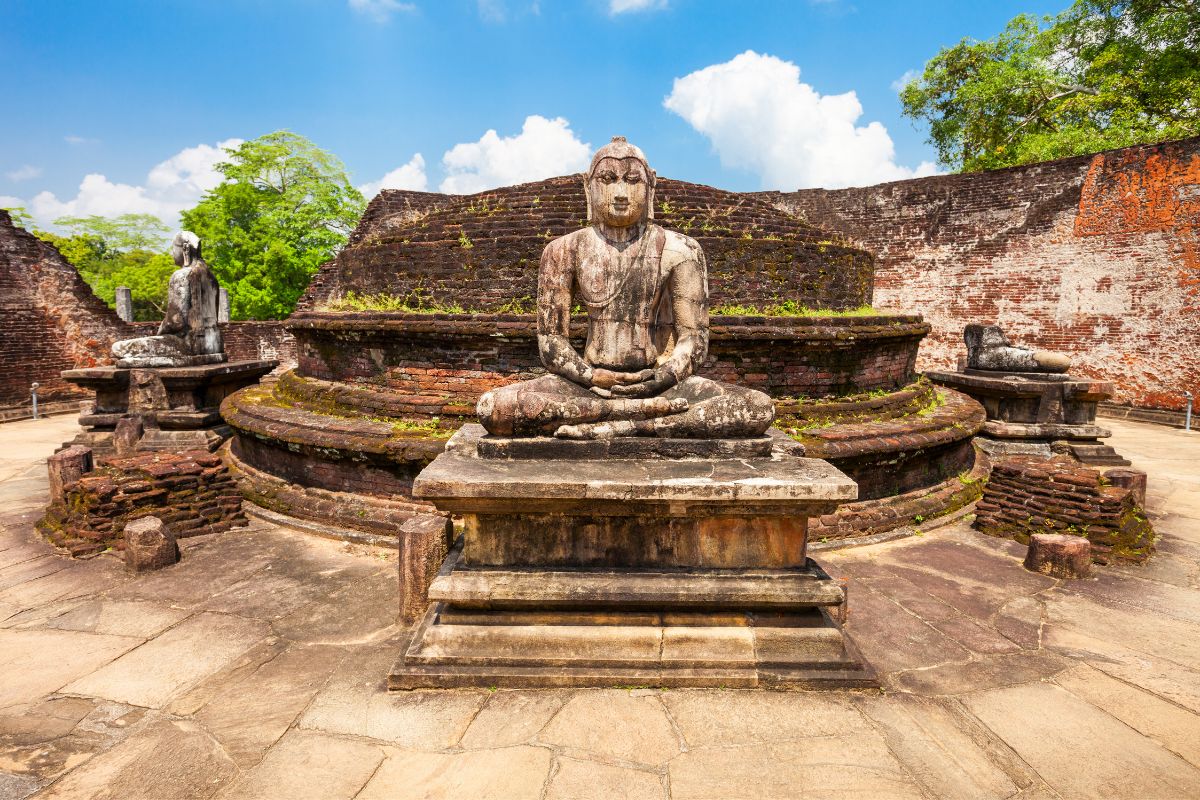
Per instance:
x=619, y=191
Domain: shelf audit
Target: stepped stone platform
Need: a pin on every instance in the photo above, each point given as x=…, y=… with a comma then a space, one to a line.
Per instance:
x=1037, y=413
x=661, y=568
x=177, y=408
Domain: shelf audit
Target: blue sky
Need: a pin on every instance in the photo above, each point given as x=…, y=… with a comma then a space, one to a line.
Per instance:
x=741, y=95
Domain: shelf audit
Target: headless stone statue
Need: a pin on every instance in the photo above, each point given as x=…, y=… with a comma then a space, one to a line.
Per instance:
x=189, y=335
x=989, y=349
x=645, y=290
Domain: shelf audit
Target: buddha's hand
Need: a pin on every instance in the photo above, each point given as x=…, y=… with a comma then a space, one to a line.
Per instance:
x=658, y=382
x=605, y=379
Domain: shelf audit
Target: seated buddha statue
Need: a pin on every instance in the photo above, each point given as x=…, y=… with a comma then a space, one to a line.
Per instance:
x=189, y=334
x=645, y=292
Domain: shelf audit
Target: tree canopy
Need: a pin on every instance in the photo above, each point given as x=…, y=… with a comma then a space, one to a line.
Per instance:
x=1102, y=74
x=284, y=207
x=128, y=250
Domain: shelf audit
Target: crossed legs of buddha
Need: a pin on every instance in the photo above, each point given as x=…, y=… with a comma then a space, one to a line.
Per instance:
x=697, y=408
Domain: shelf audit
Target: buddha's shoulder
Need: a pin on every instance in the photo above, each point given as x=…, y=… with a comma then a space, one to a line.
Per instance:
x=680, y=247
x=568, y=242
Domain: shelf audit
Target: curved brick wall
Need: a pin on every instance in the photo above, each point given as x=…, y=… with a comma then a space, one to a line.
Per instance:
x=441, y=363
x=482, y=251
x=1097, y=256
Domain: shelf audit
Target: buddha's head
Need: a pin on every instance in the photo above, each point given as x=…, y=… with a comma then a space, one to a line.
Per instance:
x=185, y=248
x=620, y=185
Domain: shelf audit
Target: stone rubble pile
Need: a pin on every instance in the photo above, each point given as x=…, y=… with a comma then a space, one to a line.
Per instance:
x=192, y=492
x=1029, y=496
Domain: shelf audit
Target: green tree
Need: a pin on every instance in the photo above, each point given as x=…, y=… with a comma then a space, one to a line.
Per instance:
x=124, y=234
x=284, y=207
x=128, y=250
x=1102, y=74
x=20, y=217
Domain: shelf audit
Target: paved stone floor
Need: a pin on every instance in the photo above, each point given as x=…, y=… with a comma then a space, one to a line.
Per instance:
x=255, y=668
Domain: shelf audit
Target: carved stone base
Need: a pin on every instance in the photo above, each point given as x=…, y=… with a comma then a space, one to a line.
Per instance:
x=518, y=628
x=177, y=407
x=656, y=571
x=1036, y=414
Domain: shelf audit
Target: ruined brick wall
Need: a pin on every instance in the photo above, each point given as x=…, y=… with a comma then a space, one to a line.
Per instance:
x=49, y=320
x=192, y=492
x=1096, y=256
x=481, y=252
x=1028, y=496
x=259, y=339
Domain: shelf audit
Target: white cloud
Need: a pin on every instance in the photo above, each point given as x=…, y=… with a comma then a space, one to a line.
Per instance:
x=170, y=187
x=78, y=140
x=759, y=116
x=8, y=201
x=899, y=84
x=492, y=10
x=380, y=10
x=407, y=176
x=621, y=6
x=24, y=173
x=543, y=149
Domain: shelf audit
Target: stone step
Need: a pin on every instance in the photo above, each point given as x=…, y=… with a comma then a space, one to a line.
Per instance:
x=782, y=589
x=1098, y=455
x=449, y=655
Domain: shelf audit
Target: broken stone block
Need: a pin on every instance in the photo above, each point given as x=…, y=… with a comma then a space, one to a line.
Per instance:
x=66, y=467
x=1132, y=479
x=126, y=435
x=149, y=545
x=1059, y=555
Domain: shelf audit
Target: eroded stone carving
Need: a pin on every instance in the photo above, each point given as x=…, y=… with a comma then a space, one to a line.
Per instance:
x=189, y=334
x=989, y=349
x=645, y=292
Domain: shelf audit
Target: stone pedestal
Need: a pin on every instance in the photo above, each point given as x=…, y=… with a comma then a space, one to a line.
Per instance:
x=149, y=545
x=656, y=567
x=177, y=407
x=65, y=467
x=1059, y=555
x=1037, y=414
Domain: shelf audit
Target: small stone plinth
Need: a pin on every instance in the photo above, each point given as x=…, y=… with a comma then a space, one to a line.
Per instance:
x=178, y=408
x=65, y=467
x=1036, y=414
x=1059, y=555
x=658, y=571
x=191, y=492
x=149, y=545
x=1024, y=497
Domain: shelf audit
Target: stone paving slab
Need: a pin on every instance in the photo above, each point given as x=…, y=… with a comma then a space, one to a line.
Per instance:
x=165, y=759
x=171, y=663
x=512, y=773
x=1175, y=728
x=256, y=668
x=35, y=663
x=1080, y=750
x=310, y=766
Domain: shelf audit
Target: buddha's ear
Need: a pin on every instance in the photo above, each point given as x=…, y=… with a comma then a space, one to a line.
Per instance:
x=651, y=179
x=587, y=194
